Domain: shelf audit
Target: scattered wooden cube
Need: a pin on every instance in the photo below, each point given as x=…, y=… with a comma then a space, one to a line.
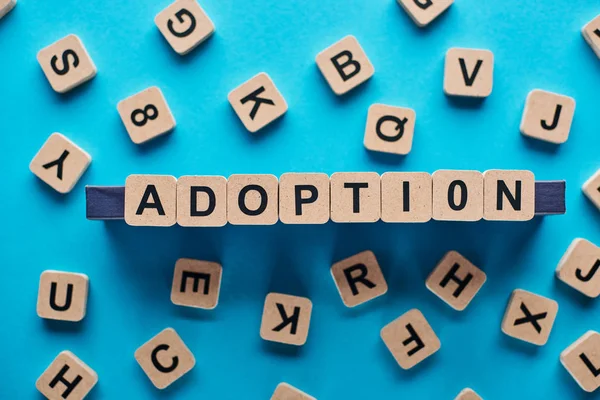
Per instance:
x=288, y=392
x=344, y=65
x=62, y=295
x=410, y=339
x=151, y=200
x=185, y=25
x=508, y=195
x=406, y=197
x=257, y=102
x=468, y=394
x=355, y=197
x=286, y=319
x=591, y=33
x=304, y=198
x=252, y=199
x=146, y=115
x=359, y=279
x=582, y=360
x=578, y=267
x=591, y=188
x=529, y=317
x=469, y=72
x=548, y=116
x=6, y=6
x=456, y=280
x=390, y=129
x=202, y=201
x=196, y=283
x=66, y=378
x=424, y=11
x=457, y=195
x=165, y=358
x=60, y=163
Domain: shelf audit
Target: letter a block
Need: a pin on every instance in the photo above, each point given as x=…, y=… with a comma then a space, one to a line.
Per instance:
x=457, y=195
x=355, y=197
x=548, y=116
x=202, y=201
x=252, y=200
x=591, y=188
x=410, y=339
x=288, y=392
x=582, y=360
x=6, y=6
x=468, y=394
x=196, y=283
x=529, y=317
x=508, y=195
x=591, y=33
x=286, y=319
x=66, y=378
x=304, y=198
x=165, y=358
x=579, y=266
x=359, y=279
x=62, y=296
x=185, y=25
x=150, y=200
x=146, y=115
x=390, y=129
x=469, y=73
x=424, y=11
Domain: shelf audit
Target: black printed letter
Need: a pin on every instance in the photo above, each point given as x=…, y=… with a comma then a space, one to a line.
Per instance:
x=60, y=377
x=65, y=59
x=451, y=276
x=285, y=320
x=595, y=371
x=158, y=365
x=150, y=191
x=515, y=201
x=399, y=127
x=59, y=162
x=590, y=274
x=414, y=337
x=356, y=194
x=361, y=277
x=349, y=62
x=196, y=276
x=463, y=195
x=257, y=101
x=555, y=121
x=314, y=194
x=264, y=198
x=68, y=299
x=423, y=4
x=469, y=80
x=212, y=203
x=180, y=14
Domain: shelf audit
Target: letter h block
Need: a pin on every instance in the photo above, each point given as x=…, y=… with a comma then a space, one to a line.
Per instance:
x=67, y=378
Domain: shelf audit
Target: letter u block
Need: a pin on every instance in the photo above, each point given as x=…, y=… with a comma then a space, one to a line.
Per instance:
x=62, y=296
x=151, y=200
x=457, y=195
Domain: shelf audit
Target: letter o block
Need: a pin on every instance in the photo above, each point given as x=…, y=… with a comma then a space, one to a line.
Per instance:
x=185, y=25
x=253, y=200
x=390, y=129
x=151, y=200
x=457, y=195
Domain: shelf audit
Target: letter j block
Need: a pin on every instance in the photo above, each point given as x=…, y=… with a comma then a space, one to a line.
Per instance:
x=67, y=378
x=591, y=34
x=548, y=116
x=424, y=11
x=579, y=266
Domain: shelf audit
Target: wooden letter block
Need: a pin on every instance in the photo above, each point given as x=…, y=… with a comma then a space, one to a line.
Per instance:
x=60, y=163
x=591, y=33
x=252, y=200
x=529, y=317
x=286, y=319
x=185, y=25
x=469, y=73
x=390, y=129
x=304, y=198
x=151, y=200
x=406, y=197
x=202, y=201
x=508, y=195
x=288, y=392
x=66, y=378
x=257, y=102
x=359, y=279
x=6, y=6
x=62, y=296
x=455, y=280
x=410, y=339
x=548, y=116
x=165, y=358
x=425, y=11
x=66, y=64
x=578, y=267
x=468, y=394
x=582, y=360
x=345, y=65
x=196, y=283
x=146, y=115
x=591, y=188
x=355, y=197
x=457, y=195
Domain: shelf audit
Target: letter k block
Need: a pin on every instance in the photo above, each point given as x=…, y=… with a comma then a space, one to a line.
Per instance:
x=529, y=317
x=286, y=319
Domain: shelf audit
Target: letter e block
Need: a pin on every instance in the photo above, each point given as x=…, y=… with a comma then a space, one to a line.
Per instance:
x=252, y=199
x=185, y=25
x=529, y=317
x=359, y=279
x=304, y=198
x=582, y=361
x=578, y=267
x=548, y=116
x=196, y=283
x=406, y=197
x=591, y=34
x=508, y=195
x=202, y=201
x=355, y=197
x=66, y=378
x=469, y=73
x=6, y=6
x=286, y=319
x=288, y=392
x=591, y=188
x=457, y=195
x=468, y=394
x=150, y=200
x=390, y=129
x=62, y=296
x=423, y=12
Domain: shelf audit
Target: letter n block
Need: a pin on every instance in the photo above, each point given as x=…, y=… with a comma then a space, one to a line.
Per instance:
x=390, y=129
x=423, y=12
x=529, y=317
x=579, y=266
x=62, y=296
x=591, y=34
x=151, y=200
x=548, y=116
x=508, y=195
x=359, y=279
x=286, y=319
x=66, y=378
x=184, y=25
x=288, y=392
x=202, y=201
x=196, y=283
x=457, y=195
x=582, y=361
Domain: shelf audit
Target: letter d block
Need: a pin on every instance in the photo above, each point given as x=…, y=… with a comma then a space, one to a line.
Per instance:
x=457, y=195
x=508, y=195
x=424, y=11
x=66, y=378
x=151, y=200
x=286, y=319
x=548, y=116
x=185, y=25
x=359, y=279
x=582, y=361
x=196, y=283
x=579, y=266
x=202, y=201
x=390, y=129
x=252, y=200
x=62, y=296
x=591, y=34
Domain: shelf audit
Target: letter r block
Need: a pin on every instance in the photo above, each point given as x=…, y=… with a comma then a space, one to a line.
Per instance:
x=286, y=319
x=185, y=25
x=579, y=267
x=196, y=283
x=62, y=296
x=359, y=279
x=508, y=195
x=66, y=378
x=591, y=34
x=151, y=200
x=582, y=361
x=390, y=129
x=423, y=12
x=548, y=116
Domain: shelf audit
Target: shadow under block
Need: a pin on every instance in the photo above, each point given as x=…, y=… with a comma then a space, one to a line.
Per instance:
x=355, y=197
x=60, y=163
x=185, y=25
x=469, y=73
x=150, y=200
x=62, y=296
x=202, y=201
x=359, y=279
x=529, y=317
x=406, y=197
x=457, y=195
x=165, y=358
x=286, y=319
x=578, y=267
x=345, y=65
x=304, y=198
x=508, y=195
x=390, y=129
x=66, y=378
x=6, y=6
x=582, y=361
x=591, y=188
x=252, y=200
x=196, y=283
x=423, y=12
x=285, y=391
x=66, y=64
x=146, y=115
x=548, y=116
x=410, y=339
x=257, y=102
x=591, y=33
x=455, y=280
x=468, y=394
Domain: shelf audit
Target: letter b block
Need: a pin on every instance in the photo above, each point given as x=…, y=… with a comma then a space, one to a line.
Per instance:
x=390, y=129
x=457, y=195
x=359, y=279
x=185, y=25
x=579, y=266
x=62, y=296
x=196, y=283
x=67, y=378
x=286, y=319
x=548, y=116
x=582, y=360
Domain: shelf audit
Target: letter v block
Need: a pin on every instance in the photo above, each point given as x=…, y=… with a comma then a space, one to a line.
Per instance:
x=425, y=11
x=62, y=296
x=469, y=72
x=579, y=266
x=529, y=317
x=286, y=319
x=591, y=34
x=67, y=378
x=582, y=361
x=548, y=116
x=150, y=200
x=359, y=279
x=196, y=283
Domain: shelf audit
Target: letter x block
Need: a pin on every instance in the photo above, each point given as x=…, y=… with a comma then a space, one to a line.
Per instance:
x=468, y=394
x=390, y=129
x=6, y=6
x=286, y=319
x=150, y=200
x=529, y=317
x=359, y=279
x=146, y=115
x=582, y=360
x=424, y=11
x=185, y=25
x=288, y=392
x=579, y=266
x=66, y=378
x=469, y=72
x=548, y=116
x=196, y=283
x=591, y=188
x=591, y=33
x=62, y=296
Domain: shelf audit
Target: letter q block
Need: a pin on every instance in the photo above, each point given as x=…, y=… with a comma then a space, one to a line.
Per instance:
x=390, y=129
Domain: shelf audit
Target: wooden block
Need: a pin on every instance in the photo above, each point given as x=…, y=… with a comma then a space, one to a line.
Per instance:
x=67, y=377
x=304, y=198
x=469, y=72
x=410, y=339
x=529, y=317
x=202, y=201
x=355, y=197
x=6, y=6
x=146, y=115
x=257, y=102
x=468, y=394
x=582, y=360
x=578, y=267
x=252, y=199
x=548, y=116
x=286, y=319
x=196, y=283
x=457, y=195
x=345, y=65
x=591, y=188
x=66, y=64
x=150, y=200
x=390, y=129
x=185, y=25
x=62, y=296
x=60, y=163
x=288, y=392
x=591, y=33
x=424, y=11
x=508, y=195
x=165, y=358
x=406, y=197
x=456, y=280
x=359, y=279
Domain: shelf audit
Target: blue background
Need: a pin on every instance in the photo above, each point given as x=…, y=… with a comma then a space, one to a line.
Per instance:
x=537, y=44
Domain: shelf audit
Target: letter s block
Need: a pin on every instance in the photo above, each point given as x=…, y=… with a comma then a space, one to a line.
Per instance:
x=185, y=25
x=151, y=200
x=390, y=129
x=62, y=296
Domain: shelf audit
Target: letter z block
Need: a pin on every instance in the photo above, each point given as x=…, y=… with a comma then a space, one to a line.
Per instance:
x=66, y=378
x=582, y=361
x=390, y=129
x=202, y=201
x=468, y=394
x=425, y=11
x=355, y=197
x=508, y=195
x=591, y=34
x=288, y=392
x=457, y=195
x=6, y=6
x=591, y=188
x=150, y=200
x=548, y=116
x=579, y=266
x=359, y=279
x=529, y=317
x=286, y=319
x=469, y=73
x=185, y=25
x=196, y=283
x=62, y=296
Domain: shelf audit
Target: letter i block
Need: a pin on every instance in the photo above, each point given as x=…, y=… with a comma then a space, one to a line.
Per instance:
x=304, y=198
x=66, y=378
x=202, y=201
x=390, y=129
x=469, y=73
x=165, y=358
x=146, y=115
x=548, y=116
x=457, y=195
x=6, y=6
x=288, y=392
x=355, y=197
x=196, y=283
x=252, y=200
x=62, y=296
x=150, y=200
x=359, y=279
x=529, y=317
x=286, y=319
x=578, y=267
x=406, y=197
x=424, y=11
x=508, y=195
x=591, y=33
x=185, y=25
x=582, y=361
x=468, y=394
x=591, y=188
